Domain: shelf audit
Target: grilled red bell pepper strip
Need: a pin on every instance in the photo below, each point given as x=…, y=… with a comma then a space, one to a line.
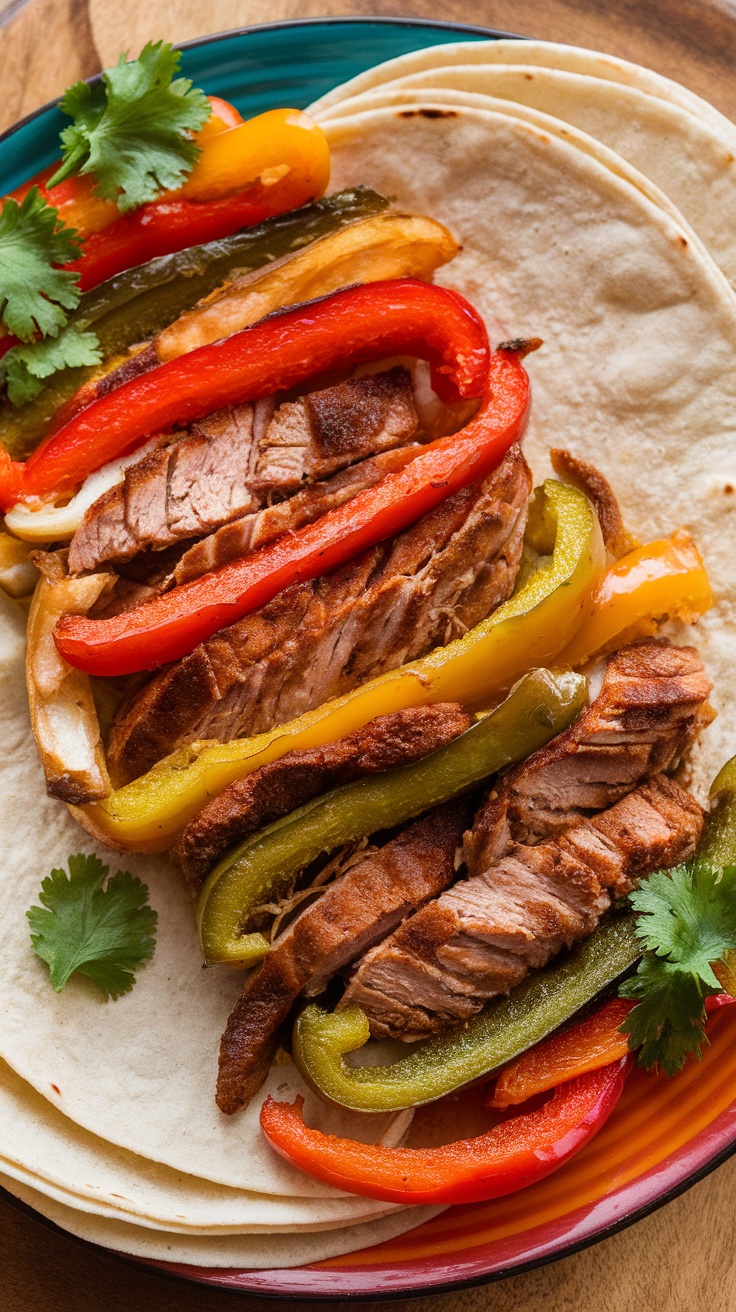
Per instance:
x=512, y=1155
x=361, y=323
x=595, y=1041
x=171, y=625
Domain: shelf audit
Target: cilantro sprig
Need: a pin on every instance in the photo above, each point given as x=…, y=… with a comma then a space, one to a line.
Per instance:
x=25, y=368
x=687, y=925
x=34, y=295
x=133, y=128
x=88, y=928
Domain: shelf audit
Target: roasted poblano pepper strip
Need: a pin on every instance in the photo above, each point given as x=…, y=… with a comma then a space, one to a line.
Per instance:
x=260, y=869
x=438, y=1066
x=718, y=846
x=142, y=301
x=529, y=629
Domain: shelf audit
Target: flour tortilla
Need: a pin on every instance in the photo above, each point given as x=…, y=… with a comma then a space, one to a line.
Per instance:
x=139, y=1072
x=257, y=1251
x=687, y=157
x=431, y=98
x=41, y=1148
x=637, y=368
x=541, y=54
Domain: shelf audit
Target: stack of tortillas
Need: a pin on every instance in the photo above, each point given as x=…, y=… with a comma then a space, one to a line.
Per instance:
x=595, y=204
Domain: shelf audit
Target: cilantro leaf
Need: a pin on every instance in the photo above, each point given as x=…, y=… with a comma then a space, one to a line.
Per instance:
x=130, y=128
x=104, y=933
x=687, y=924
x=25, y=367
x=34, y=296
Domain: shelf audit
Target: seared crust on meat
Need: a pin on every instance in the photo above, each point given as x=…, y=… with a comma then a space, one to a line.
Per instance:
x=327, y=430
x=250, y=531
x=316, y=640
x=651, y=705
x=480, y=937
x=227, y=465
x=590, y=480
x=354, y=912
x=279, y=787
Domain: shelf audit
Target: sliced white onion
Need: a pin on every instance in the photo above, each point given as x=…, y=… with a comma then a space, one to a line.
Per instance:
x=49, y=522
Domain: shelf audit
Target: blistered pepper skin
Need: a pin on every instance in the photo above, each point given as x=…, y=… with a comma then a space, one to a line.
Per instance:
x=440, y=1065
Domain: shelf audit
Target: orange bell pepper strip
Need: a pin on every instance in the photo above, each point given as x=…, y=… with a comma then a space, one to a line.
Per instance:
x=511, y=1156
x=665, y=579
x=273, y=163
x=171, y=625
x=247, y=172
x=594, y=1042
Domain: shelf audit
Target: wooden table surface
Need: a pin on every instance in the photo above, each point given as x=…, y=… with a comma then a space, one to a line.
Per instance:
x=681, y=1259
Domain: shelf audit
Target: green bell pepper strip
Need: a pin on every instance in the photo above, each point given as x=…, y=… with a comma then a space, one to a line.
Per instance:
x=440, y=1065
x=140, y=302
x=260, y=870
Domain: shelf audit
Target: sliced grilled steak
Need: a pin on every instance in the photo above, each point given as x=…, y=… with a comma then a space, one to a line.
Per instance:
x=316, y=640
x=243, y=535
x=327, y=430
x=279, y=787
x=354, y=912
x=480, y=938
x=229, y=464
x=180, y=490
x=651, y=705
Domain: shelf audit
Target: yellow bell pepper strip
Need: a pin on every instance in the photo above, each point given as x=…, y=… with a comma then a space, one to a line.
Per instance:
x=594, y=1042
x=665, y=579
x=476, y=669
x=511, y=1156
x=261, y=869
x=440, y=1065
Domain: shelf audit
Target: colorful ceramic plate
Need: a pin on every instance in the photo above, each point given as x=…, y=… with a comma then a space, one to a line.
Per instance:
x=664, y=1135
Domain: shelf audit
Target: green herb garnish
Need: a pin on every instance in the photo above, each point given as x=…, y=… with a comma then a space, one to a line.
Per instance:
x=35, y=296
x=133, y=128
x=84, y=928
x=687, y=925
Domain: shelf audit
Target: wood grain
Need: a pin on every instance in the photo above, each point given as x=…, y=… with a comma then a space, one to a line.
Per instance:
x=683, y=1258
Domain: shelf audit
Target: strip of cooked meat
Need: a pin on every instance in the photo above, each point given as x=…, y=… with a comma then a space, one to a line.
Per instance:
x=180, y=490
x=228, y=465
x=482, y=936
x=651, y=705
x=318, y=639
x=251, y=531
x=354, y=912
x=327, y=430
x=281, y=786
x=591, y=481
x=154, y=572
